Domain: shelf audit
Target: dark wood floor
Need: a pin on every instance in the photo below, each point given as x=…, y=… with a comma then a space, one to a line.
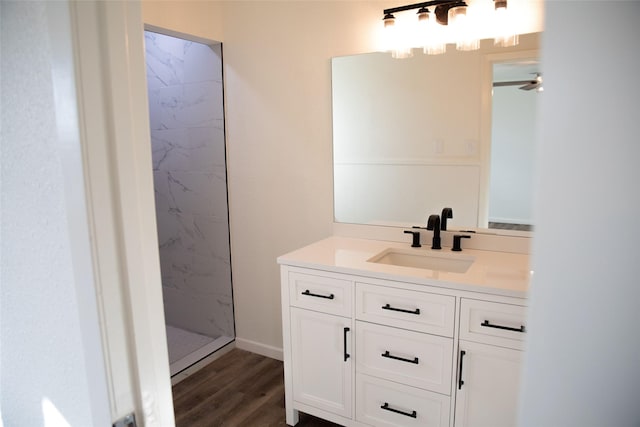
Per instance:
x=238, y=389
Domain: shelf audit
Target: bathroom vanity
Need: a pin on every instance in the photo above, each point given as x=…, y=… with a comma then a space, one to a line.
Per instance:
x=379, y=333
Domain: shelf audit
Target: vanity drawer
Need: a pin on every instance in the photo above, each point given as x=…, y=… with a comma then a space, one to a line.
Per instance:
x=418, y=311
x=408, y=357
x=493, y=323
x=386, y=403
x=321, y=293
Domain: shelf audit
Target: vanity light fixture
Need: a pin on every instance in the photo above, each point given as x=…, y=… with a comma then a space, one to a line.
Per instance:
x=451, y=16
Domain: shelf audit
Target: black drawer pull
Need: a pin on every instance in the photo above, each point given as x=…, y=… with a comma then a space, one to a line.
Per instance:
x=346, y=355
x=460, y=382
x=307, y=293
x=506, y=328
x=388, y=307
x=412, y=414
x=390, y=356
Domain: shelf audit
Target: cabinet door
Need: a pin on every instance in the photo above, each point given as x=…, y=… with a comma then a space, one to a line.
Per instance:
x=321, y=347
x=487, y=387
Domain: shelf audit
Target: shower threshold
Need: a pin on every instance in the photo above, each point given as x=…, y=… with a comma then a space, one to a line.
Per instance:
x=188, y=348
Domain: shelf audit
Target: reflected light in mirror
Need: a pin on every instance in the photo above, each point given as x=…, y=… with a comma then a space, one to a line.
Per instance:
x=506, y=35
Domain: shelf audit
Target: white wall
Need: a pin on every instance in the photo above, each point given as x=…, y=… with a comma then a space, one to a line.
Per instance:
x=582, y=367
x=51, y=361
x=195, y=17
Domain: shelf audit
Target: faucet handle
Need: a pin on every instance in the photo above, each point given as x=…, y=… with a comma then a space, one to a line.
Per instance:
x=416, y=238
x=456, y=242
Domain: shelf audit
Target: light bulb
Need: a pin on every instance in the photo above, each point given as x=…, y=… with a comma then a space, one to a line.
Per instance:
x=462, y=28
x=390, y=37
x=396, y=38
x=430, y=33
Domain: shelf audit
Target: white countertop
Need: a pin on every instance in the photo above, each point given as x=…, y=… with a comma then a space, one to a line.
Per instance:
x=498, y=273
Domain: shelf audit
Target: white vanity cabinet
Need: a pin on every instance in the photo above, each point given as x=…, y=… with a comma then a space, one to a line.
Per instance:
x=489, y=363
x=370, y=350
x=321, y=331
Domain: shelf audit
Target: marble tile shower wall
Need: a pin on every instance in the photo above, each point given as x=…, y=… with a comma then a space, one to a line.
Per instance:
x=187, y=138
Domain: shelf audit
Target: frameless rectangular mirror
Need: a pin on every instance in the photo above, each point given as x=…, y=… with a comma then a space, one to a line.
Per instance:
x=415, y=135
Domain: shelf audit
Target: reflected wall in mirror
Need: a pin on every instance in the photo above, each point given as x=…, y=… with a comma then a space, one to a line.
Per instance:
x=412, y=136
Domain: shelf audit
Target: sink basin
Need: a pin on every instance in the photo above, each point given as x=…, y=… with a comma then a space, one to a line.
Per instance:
x=420, y=258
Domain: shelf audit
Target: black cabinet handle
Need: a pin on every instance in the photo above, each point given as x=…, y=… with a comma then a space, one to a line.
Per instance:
x=386, y=407
x=506, y=328
x=460, y=382
x=388, y=307
x=346, y=355
x=330, y=296
x=390, y=356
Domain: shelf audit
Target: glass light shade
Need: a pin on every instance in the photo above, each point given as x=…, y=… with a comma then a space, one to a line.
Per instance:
x=402, y=53
x=431, y=35
x=462, y=28
x=398, y=37
x=506, y=35
x=389, y=33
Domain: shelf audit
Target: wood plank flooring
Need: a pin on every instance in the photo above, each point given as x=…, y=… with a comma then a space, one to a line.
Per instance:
x=238, y=389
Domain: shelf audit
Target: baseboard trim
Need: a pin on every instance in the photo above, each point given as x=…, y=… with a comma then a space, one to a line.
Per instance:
x=259, y=348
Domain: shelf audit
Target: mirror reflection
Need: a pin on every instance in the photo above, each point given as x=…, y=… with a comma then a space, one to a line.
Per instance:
x=415, y=135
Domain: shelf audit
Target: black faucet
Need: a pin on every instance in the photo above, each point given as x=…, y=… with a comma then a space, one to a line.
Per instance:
x=433, y=223
x=416, y=238
x=456, y=241
x=446, y=213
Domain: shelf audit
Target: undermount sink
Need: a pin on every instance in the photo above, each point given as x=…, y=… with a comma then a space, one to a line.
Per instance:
x=426, y=259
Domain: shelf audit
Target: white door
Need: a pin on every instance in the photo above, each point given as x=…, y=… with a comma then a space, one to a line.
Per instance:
x=109, y=75
x=321, y=347
x=487, y=387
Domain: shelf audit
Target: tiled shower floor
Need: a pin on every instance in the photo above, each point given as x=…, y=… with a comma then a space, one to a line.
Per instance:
x=186, y=348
